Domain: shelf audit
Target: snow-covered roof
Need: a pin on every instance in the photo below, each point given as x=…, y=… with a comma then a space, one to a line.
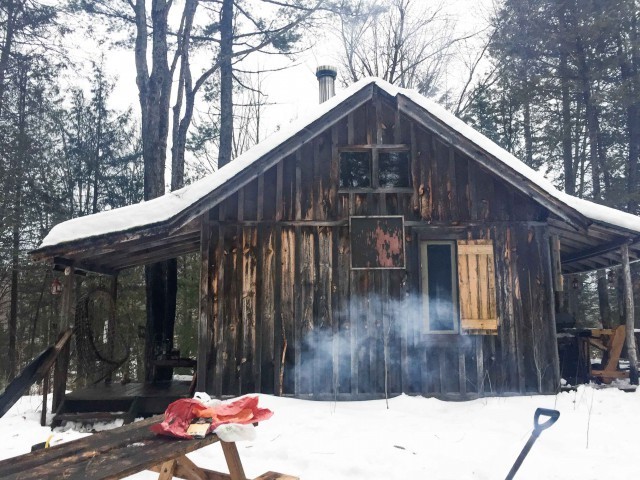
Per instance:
x=165, y=208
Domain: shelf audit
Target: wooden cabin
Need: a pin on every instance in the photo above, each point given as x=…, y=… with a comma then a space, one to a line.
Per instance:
x=379, y=246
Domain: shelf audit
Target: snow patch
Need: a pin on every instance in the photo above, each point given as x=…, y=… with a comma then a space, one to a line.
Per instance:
x=416, y=437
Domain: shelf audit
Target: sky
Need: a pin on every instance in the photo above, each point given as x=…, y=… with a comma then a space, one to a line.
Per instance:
x=290, y=92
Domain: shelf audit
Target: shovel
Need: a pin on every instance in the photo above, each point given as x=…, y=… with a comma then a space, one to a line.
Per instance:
x=537, y=430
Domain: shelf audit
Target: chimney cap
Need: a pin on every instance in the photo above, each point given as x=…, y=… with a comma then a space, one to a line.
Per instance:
x=326, y=71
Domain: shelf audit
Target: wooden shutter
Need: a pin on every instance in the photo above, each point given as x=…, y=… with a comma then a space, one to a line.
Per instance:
x=477, y=287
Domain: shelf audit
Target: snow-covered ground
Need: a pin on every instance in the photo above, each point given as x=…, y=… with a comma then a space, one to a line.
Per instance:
x=596, y=437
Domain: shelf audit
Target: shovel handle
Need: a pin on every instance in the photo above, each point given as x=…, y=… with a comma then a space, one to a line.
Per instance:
x=553, y=417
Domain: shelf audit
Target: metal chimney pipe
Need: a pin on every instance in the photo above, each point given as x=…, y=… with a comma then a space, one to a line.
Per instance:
x=326, y=75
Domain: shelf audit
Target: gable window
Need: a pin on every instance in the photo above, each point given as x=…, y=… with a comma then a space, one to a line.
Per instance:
x=393, y=169
x=375, y=167
x=439, y=286
x=355, y=169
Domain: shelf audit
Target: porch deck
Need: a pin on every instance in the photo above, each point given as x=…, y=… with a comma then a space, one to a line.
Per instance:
x=109, y=401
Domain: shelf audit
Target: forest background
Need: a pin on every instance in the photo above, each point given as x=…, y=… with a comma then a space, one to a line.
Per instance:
x=171, y=90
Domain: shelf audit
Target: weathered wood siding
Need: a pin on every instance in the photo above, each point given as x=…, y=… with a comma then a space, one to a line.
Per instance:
x=279, y=273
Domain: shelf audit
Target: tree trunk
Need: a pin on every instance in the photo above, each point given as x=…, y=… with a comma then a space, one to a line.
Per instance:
x=226, y=83
x=629, y=64
x=528, y=134
x=567, y=158
x=7, y=46
x=154, y=91
x=565, y=93
x=17, y=173
x=603, y=300
x=592, y=118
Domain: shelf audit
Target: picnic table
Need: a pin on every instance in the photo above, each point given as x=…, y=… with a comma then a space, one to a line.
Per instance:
x=123, y=451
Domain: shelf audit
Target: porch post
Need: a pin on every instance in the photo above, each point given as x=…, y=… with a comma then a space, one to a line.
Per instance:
x=629, y=315
x=205, y=321
x=111, y=322
x=556, y=268
x=66, y=321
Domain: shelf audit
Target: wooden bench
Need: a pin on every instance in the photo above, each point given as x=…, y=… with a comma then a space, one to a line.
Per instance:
x=612, y=350
x=124, y=451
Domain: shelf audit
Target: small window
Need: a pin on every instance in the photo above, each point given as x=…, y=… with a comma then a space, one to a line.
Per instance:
x=439, y=293
x=355, y=169
x=393, y=169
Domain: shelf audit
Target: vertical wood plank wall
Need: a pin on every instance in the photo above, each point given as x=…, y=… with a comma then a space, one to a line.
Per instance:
x=280, y=287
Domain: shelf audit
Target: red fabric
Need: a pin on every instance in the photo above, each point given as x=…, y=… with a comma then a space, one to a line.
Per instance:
x=178, y=415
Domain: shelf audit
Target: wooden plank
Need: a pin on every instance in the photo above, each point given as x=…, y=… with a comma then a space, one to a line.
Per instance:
x=322, y=158
x=375, y=332
x=236, y=471
x=334, y=172
x=343, y=311
x=415, y=172
x=61, y=366
x=233, y=319
x=325, y=341
x=451, y=184
x=464, y=287
x=249, y=359
x=475, y=249
x=266, y=311
x=480, y=373
x=479, y=323
x=483, y=286
x=305, y=339
x=492, y=309
x=166, y=470
x=610, y=374
x=288, y=307
x=279, y=186
x=462, y=373
x=629, y=312
x=425, y=191
x=205, y=316
x=33, y=373
x=474, y=290
x=552, y=375
x=355, y=312
x=188, y=470
x=298, y=186
x=110, y=454
x=279, y=332
x=260, y=199
x=219, y=297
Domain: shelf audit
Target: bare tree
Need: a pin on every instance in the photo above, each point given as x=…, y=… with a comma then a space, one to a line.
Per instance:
x=161, y=50
x=405, y=42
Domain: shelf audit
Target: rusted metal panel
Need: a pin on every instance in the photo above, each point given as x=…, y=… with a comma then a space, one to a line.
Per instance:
x=377, y=242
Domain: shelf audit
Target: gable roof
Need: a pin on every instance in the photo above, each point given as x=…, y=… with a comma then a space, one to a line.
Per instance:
x=176, y=209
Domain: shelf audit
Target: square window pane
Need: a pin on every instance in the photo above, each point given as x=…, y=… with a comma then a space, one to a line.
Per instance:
x=355, y=169
x=394, y=169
